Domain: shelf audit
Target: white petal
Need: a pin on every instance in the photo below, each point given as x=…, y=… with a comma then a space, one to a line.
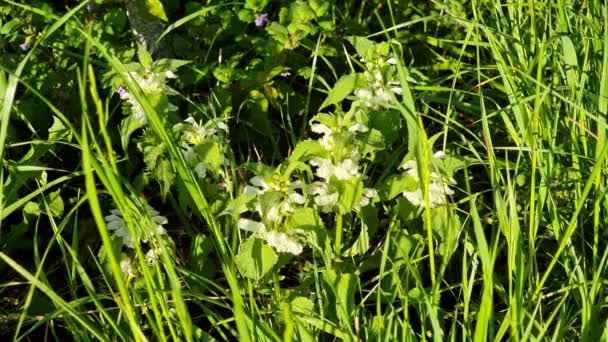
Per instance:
x=283, y=243
x=259, y=182
x=200, y=170
x=326, y=200
x=397, y=90
x=320, y=128
x=170, y=74
x=439, y=155
x=273, y=214
x=391, y=60
x=251, y=190
x=251, y=226
x=358, y=127
x=296, y=198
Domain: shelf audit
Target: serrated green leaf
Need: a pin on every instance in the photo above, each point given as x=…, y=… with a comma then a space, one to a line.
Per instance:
x=155, y=8
x=307, y=149
x=349, y=193
x=54, y=204
x=340, y=289
x=394, y=185
x=345, y=85
x=211, y=155
x=369, y=226
x=128, y=125
x=255, y=259
x=320, y=7
x=371, y=141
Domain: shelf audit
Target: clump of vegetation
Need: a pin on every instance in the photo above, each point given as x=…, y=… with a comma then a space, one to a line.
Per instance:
x=303, y=170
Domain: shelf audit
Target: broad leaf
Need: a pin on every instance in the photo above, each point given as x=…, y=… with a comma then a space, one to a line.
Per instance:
x=255, y=259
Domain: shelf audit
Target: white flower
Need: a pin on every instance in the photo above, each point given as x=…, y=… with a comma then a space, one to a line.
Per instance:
x=151, y=257
x=126, y=266
x=345, y=169
x=200, y=170
x=117, y=224
x=368, y=195
x=439, y=188
x=282, y=242
x=358, y=127
x=258, y=186
x=322, y=196
x=327, y=140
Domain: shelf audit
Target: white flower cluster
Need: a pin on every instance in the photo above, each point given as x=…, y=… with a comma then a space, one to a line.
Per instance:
x=378, y=91
x=344, y=168
x=119, y=228
x=439, y=188
x=195, y=134
x=150, y=83
x=272, y=216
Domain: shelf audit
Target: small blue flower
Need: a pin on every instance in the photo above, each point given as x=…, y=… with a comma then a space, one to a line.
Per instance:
x=90, y=6
x=262, y=20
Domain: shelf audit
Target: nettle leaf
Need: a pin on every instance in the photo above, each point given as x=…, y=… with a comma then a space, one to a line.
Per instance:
x=211, y=155
x=128, y=126
x=256, y=5
x=255, y=259
x=155, y=8
x=350, y=192
x=169, y=64
x=278, y=32
x=306, y=219
x=340, y=289
x=320, y=7
x=389, y=123
x=394, y=185
x=326, y=119
x=300, y=12
x=165, y=175
x=260, y=169
x=270, y=199
x=144, y=56
x=309, y=221
x=372, y=141
x=406, y=210
x=369, y=226
x=58, y=131
x=54, y=204
x=345, y=85
x=308, y=149
x=363, y=46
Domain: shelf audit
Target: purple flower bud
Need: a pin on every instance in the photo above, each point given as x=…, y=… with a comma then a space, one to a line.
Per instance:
x=25, y=45
x=121, y=91
x=90, y=6
x=262, y=20
x=285, y=73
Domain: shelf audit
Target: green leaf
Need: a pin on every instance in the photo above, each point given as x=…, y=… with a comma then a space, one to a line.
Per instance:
x=372, y=141
x=389, y=123
x=300, y=12
x=211, y=155
x=340, y=289
x=155, y=8
x=169, y=64
x=54, y=204
x=308, y=149
x=306, y=219
x=350, y=192
x=369, y=226
x=320, y=7
x=345, y=85
x=255, y=259
x=394, y=185
x=363, y=46
x=144, y=56
x=128, y=125
x=256, y=5
x=279, y=33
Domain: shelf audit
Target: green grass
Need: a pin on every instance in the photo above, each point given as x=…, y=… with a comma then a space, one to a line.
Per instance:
x=518, y=90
